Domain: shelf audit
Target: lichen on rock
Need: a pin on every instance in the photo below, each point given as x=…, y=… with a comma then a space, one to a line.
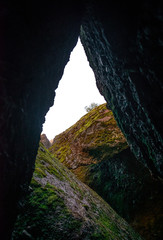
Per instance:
x=96, y=151
x=59, y=206
x=96, y=128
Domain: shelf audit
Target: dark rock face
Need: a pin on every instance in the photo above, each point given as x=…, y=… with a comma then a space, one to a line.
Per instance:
x=35, y=46
x=129, y=188
x=124, y=50
x=45, y=141
x=122, y=43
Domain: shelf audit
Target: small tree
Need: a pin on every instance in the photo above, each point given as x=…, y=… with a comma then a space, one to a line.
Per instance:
x=91, y=106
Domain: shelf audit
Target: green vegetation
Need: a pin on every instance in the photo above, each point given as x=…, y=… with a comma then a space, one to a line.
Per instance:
x=94, y=130
x=96, y=151
x=58, y=206
x=42, y=214
x=87, y=149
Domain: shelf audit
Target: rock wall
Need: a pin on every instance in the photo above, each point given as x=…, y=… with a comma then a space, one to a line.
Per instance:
x=123, y=45
x=37, y=40
x=95, y=150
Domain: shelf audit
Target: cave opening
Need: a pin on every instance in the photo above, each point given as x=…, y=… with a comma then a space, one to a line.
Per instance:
x=125, y=55
x=69, y=104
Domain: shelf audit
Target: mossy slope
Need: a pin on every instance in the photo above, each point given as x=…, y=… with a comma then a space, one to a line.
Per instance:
x=60, y=207
x=97, y=128
x=96, y=151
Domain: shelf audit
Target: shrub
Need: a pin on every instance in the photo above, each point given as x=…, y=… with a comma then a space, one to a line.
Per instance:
x=91, y=106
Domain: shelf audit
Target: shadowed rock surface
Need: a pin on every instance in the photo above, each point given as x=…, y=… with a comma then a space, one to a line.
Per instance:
x=36, y=41
x=123, y=43
x=59, y=206
x=96, y=151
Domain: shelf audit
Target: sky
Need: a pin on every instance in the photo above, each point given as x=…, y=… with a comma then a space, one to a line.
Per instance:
x=76, y=90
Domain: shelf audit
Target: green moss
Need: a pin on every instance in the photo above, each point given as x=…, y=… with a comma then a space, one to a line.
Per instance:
x=52, y=170
x=96, y=129
x=39, y=172
x=43, y=212
x=102, y=161
x=89, y=119
x=46, y=162
x=63, y=151
x=60, y=207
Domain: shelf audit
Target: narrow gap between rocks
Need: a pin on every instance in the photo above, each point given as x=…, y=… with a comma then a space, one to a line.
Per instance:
x=77, y=89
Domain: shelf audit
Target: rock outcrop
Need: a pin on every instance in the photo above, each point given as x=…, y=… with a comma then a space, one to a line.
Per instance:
x=45, y=141
x=122, y=44
x=97, y=153
x=35, y=44
x=59, y=206
x=95, y=129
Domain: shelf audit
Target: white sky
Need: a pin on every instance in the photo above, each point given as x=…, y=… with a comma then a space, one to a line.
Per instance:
x=76, y=89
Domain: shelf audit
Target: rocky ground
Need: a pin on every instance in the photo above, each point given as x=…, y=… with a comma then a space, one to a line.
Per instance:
x=59, y=206
x=97, y=152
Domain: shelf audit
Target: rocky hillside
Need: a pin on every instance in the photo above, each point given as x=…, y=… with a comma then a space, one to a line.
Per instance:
x=60, y=207
x=99, y=129
x=96, y=151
